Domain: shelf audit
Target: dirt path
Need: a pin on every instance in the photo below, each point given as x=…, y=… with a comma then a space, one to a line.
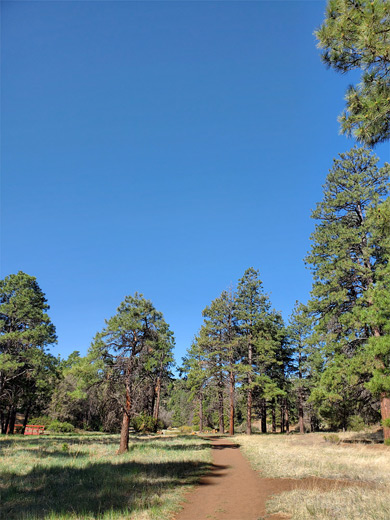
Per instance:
x=234, y=491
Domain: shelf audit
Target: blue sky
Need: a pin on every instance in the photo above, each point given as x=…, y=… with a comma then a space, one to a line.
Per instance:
x=162, y=147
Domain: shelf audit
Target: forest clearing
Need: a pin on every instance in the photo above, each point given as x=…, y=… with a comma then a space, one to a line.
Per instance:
x=191, y=328
x=61, y=477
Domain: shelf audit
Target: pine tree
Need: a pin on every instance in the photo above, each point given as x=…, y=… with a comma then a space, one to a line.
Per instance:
x=299, y=334
x=196, y=369
x=345, y=259
x=136, y=332
x=251, y=311
x=25, y=332
x=218, y=338
x=356, y=35
x=377, y=313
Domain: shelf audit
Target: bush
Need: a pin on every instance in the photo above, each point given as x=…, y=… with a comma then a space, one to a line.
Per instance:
x=356, y=423
x=387, y=442
x=43, y=420
x=61, y=427
x=186, y=429
x=333, y=438
x=145, y=423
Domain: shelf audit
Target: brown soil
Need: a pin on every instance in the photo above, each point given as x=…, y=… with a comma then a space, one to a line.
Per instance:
x=234, y=491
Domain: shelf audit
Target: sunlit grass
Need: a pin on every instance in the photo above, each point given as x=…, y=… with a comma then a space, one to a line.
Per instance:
x=346, y=504
x=81, y=477
x=307, y=456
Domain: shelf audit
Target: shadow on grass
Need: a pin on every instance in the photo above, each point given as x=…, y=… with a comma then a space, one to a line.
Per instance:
x=17, y=440
x=91, y=491
x=53, y=446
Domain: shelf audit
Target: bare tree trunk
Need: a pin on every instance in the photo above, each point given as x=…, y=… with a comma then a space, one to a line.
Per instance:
x=157, y=402
x=12, y=419
x=300, y=397
x=263, y=416
x=249, y=396
x=2, y=421
x=286, y=420
x=313, y=423
x=231, y=422
x=385, y=412
x=282, y=417
x=273, y=411
x=6, y=422
x=26, y=416
x=220, y=411
x=124, y=442
x=200, y=412
x=300, y=418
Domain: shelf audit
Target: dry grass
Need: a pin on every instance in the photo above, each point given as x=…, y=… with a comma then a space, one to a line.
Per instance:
x=310, y=456
x=81, y=477
x=347, y=504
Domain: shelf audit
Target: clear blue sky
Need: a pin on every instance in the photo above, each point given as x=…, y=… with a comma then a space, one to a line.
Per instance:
x=162, y=147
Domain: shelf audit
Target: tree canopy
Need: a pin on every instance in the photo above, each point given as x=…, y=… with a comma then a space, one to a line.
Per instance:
x=356, y=35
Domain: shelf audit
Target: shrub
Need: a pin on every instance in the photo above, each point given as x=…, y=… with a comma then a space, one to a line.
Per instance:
x=333, y=438
x=43, y=420
x=356, y=423
x=387, y=442
x=145, y=423
x=61, y=427
x=185, y=429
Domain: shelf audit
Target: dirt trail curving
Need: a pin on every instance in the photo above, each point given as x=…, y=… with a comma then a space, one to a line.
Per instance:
x=234, y=491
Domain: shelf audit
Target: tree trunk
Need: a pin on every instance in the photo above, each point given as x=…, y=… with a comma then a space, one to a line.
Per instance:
x=220, y=411
x=286, y=420
x=249, y=396
x=273, y=411
x=2, y=421
x=385, y=412
x=282, y=417
x=12, y=419
x=200, y=412
x=124, y=442
x=157, y=402
x=263, y=416
x=26, y=415
x=6, y=422
x=300, y=412
x=300, y=397
x=300, y=419
x=231, y=421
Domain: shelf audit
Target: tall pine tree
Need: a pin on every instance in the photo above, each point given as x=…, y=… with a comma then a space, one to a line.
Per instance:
x=345, y=260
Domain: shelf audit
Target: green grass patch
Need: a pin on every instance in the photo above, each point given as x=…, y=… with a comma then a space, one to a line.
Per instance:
x=74, y=477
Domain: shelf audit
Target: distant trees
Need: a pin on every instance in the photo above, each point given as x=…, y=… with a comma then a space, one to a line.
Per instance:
x=356, y=35
x=126, y=371
x=26, y=370
x=241, y=344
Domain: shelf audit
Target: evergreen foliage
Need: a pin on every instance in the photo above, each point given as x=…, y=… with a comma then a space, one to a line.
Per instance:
x=136, y=339
x=356, y=35
x=348, y=258
x=27, y=371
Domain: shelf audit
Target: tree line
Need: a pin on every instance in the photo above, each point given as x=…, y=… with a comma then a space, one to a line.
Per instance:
x=329, y=366
x=330, y=363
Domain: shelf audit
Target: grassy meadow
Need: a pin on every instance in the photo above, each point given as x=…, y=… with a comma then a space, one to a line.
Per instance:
x=81, y=477
x=367, y=467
